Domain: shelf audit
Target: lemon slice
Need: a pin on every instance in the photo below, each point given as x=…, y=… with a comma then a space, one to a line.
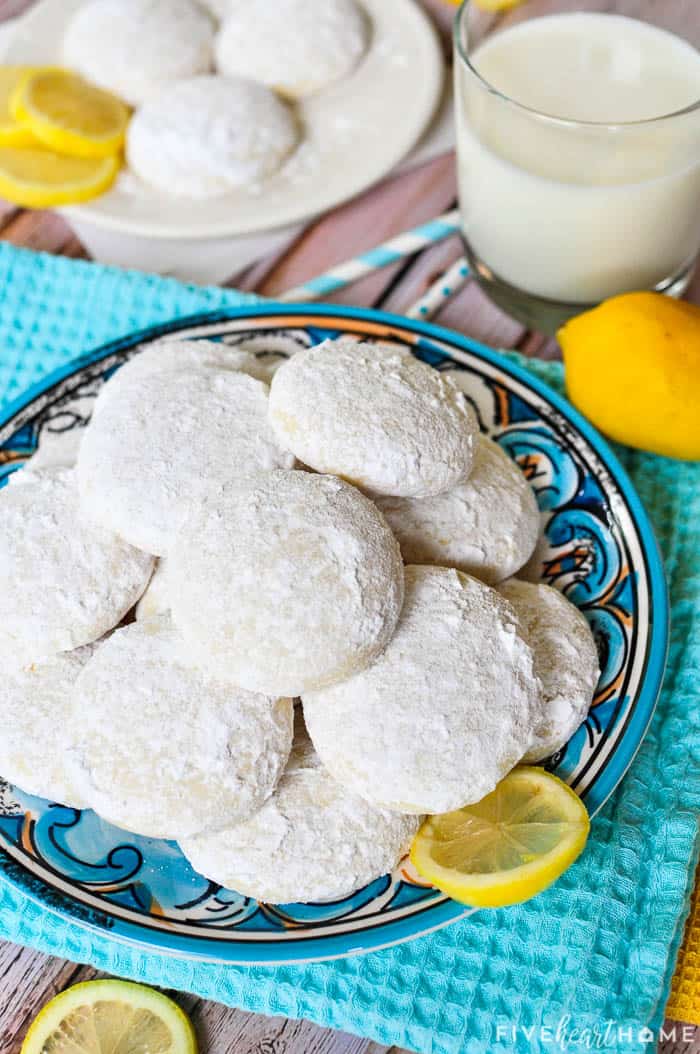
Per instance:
x=38, y=178
x=12, y=133
x=69, y=114
x=110, y=1017
x=506, y=848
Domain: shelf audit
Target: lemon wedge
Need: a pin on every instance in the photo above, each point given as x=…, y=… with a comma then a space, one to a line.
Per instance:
x=633, y=368
x=35, y=177
x=12, y=133
x=506, y=848
x=116, y=1016
x=68, y=114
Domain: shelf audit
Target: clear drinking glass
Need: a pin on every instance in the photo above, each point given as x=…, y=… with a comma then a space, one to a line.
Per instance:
x=560, y=211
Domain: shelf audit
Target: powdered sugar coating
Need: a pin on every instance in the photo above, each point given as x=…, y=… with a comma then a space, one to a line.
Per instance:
x=155, y=602
x=134, y=47
x=154, y=453
x=168, y=355
x=374, y=415
x=487, y=527
x=34, y=705
x=165, y=749
x=566, y=662
x=444, y=713
x=218, y=9
x=207, y=136
x=312, y=840
x=287, y=582
x=297, y=47
x=63, y=581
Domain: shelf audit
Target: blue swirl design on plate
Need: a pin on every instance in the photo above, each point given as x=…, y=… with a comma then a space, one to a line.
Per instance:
x=144, y=888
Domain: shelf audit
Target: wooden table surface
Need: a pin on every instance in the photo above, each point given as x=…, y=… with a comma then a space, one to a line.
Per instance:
x=27, y=978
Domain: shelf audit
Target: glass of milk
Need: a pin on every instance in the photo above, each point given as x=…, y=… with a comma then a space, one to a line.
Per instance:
x=578, y=152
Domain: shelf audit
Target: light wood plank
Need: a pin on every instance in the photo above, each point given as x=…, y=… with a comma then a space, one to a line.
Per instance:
x=682, y=1039
x=39, y=230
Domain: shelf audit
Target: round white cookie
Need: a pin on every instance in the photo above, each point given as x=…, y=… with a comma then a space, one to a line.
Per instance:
x=35, y=702
x=170, y=355
x=63, y=581
x=207, y=136
x=218, y=9
x=165, y=749
x=287, y=583
x=153, y=454
x=487, y=527
x=374, y=415
x=135, y=47
x=312, y=840
x=297, y=47
x=566, y=662
x=156, y=600
x=444, y=713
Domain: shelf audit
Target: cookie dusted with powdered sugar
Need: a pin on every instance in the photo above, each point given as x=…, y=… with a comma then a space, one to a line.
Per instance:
x=165, y=749
x=35, y=702
x=374, y=415
x=207, y=136
x=170, y=355
x=312, y=840
x=151, y=455
x=297, y=47
x=218, y=9
x=566, y=661
x=287, y=583
x=156, y=600
x=64, y=582
x=444, y=713
x=134, y=47
x=487, y=527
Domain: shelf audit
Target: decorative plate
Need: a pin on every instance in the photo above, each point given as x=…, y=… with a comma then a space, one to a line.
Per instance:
x=356, y=131
x=597, y=547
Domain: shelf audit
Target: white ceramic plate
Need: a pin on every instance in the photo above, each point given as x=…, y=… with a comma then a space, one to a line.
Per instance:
x=357, y=131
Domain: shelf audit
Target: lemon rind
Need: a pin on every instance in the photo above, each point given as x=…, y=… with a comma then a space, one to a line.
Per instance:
x=35, y=195
x=503, y=888
x=134, y=995
x=56, y=136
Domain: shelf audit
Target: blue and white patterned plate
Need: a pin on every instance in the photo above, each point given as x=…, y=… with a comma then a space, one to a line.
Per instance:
x=597, y=547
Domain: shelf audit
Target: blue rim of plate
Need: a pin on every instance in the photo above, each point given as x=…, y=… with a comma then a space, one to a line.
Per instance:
x=315, y=948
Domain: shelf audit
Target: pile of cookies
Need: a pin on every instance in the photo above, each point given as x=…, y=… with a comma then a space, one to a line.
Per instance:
x=335, y=531
x=216, y=102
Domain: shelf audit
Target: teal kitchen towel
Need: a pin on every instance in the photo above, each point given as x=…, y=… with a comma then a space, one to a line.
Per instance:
x=595, y=952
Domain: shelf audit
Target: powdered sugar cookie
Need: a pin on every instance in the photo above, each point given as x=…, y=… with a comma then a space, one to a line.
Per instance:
x=486, y=527
x=297, y=47
x=218, y=9
x=154, y=453
x=63, y=581
x=209, y=135
x=156, y=600
x=166, y=750
x=312, y=840
x=375, y=416
x=444, y=713
x=133, y=47
x=566, y=661
x=178, y=354
x=34, y=705
x=287, y=582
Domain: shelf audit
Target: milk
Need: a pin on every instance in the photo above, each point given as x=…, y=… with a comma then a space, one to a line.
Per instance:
x=580, y=212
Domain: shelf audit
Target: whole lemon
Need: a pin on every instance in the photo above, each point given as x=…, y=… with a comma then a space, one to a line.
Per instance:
x=633, y=369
